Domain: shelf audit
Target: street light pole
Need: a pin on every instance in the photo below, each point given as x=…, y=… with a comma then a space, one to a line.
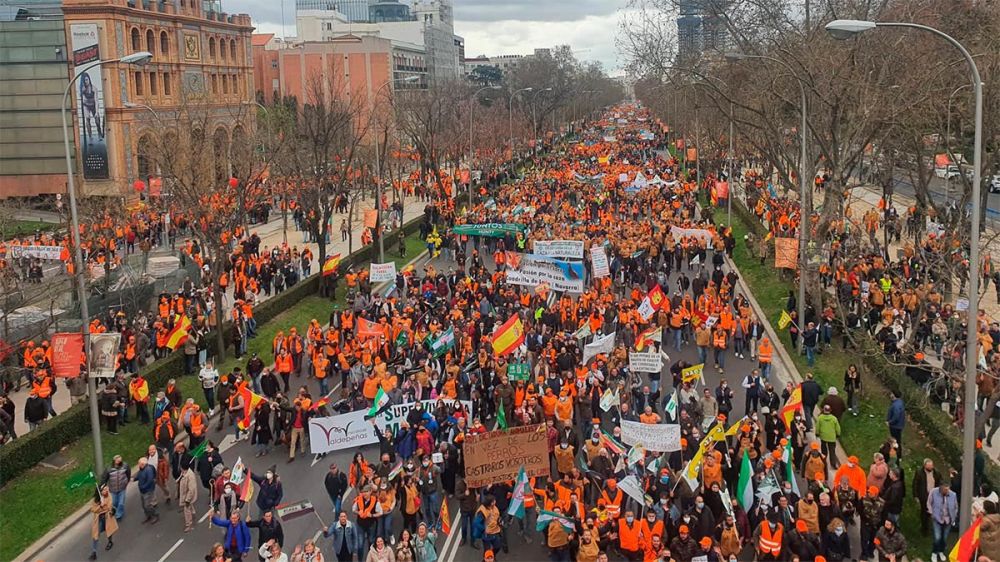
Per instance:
x=139, y=59
x=472, y=107
x=803, y=186
x=729, y=173
x=842, y=29
x=510, y=108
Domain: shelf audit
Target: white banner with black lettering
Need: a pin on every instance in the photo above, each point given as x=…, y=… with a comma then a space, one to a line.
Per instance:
x=599, y=262
x=350, y=430
x=380, y=272
x=603, y=344
x=645, y=362
x=40, y=252
x=532, y=271
x=657, y=437
x=559, y=248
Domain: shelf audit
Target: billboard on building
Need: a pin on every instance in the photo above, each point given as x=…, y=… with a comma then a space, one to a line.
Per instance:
x=89, y=92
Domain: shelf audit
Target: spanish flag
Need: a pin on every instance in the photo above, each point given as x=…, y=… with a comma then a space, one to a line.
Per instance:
x=966, y=547
x=250, y=403
x=509, y=336
x=794, y=403
x=179, y=334
x=330, y=265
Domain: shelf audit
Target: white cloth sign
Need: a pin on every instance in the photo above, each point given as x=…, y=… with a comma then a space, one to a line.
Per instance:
x=380, y=272
x=658, y=437
x=40, y=252
x=603, y=344
x=699, y=233
x=532, y=272
x=645, y=362
x=645, y=309
x=599, y=262
x=344, y=431
x=559, y=248
x=631, y=487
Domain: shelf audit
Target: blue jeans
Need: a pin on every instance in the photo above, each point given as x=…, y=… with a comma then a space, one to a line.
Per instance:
x=678, y=336
x=720, y=358
x=118, y=503
x=430, y=508
x=810, y=355
x=941, y=532
x=492, y=542
x=702, y=354
x=337, y=503
x=467, y=518
x=324, y=387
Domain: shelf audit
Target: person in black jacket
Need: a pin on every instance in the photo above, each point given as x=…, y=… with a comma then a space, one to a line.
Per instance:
x=893, y=492
x=336, y=486
x=924, y=480
x=270, y=491
x=836, y=542
x=207, y=464
x=810, y=397
x=268, y=528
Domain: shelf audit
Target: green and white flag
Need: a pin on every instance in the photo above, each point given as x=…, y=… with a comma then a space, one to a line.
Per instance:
x=381, y=399
x=583, y=332
x=501, y=416
x=789, y=473
x=521, y=489
x=443, y=343
x=744, y=489
x=671, y=408
x=545, y=517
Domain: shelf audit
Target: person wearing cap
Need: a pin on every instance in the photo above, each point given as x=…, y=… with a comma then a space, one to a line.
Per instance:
x=803, y=543
x=488, y=555
x=769, y=539
x=629, y=540
x=854, y=473
x=683, y=547
x=828, y=431
x=872, y=507
x=613, y=497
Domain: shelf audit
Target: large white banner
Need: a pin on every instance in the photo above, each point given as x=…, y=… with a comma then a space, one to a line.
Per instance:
x=645, y=362
x=599, y=262
x=380, y=272
x=699, y=233
x=603, y=344
x=559, y=248
x=89, y=90
x=531, y=271
x=345, y=431
x=656, y=437
x=40, y=252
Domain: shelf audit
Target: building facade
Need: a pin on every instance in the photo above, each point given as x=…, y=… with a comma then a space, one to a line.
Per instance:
x=700, y=29
x=198, y=53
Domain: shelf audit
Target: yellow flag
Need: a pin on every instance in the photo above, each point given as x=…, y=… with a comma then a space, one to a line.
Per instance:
x=693, y=372
x=735, y=428
x=784, y=321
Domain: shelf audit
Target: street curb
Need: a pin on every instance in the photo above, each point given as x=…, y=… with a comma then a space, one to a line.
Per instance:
x=31, y=553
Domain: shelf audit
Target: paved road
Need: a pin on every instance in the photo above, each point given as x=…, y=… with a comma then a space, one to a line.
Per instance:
x=303, y=479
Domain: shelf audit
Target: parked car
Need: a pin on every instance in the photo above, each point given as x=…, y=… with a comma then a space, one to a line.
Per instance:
x=994, y=183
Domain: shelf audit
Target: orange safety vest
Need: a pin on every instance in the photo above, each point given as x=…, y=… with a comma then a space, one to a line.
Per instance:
x=720, y=339
x=320, y=366
x=764, y=351
x=770, y=542
x=197, y=425
x=283, y=364
x=42, y=389
x=366, y=512
x=628, y=537
x=613, y=506
x=160, y=423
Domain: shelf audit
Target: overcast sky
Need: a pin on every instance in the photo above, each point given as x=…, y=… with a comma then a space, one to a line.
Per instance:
x=497, y=27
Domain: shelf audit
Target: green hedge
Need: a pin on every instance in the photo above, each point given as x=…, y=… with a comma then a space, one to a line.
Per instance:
x=25, y=452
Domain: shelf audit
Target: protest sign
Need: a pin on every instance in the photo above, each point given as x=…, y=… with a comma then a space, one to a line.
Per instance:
x=518, y=371
x=40, y=252
x=529, y=270
x=701, y=234
x=344, y=431
x=599, y=262
x=380, y=272
x=559, y=248
x=497, y=456
x=645, y=362
x=103, y=354
x=631, y=487
x=656, y=437
x=693, y=372
x=603, y=344
x=493, y=230
x=67, y=348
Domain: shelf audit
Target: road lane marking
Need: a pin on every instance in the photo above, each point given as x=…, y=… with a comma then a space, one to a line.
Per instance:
x=171, y=551
x=448, y=542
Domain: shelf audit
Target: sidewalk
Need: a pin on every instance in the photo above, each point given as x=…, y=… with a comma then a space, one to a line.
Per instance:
x=271, y=235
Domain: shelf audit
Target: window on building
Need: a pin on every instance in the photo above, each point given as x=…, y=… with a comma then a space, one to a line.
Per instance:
x=222, y=49
x=211, y=48
x=166, y=83
x=138, y=84
x=274, y=64
x=150, y=41
x=215, y=84
x=236, y=84
x=164, y=43
x=225, y=83
x=153, y=89
x=136, y=40
x=232, y=50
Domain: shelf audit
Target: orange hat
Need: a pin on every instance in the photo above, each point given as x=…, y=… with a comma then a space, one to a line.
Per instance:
x=852, y=459
x=488, y=553
x=979, y=443
x=595, y=420
x=784, y=441
x=612, y=482
x=801, y=526
x=722, y=417
x=684, y=442
x=745, y=428
x=819, y=558
x=776, y=454
x=768, y=463
x=683, y=529
x=705, y=541
x=872, y=490
x=918, y=356
x=819, y=476
x=602, y=502
x=814, y=446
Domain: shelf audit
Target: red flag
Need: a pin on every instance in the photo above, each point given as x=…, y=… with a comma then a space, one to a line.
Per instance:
x=445, y=518
x=66, y=351
x=967, y=545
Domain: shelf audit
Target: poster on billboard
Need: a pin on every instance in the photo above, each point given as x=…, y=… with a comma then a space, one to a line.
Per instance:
x=599, y=262
x=89, y=92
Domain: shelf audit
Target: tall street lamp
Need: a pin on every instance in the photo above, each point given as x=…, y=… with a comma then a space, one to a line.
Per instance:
x=803, y=184
x=472, y=107
x=141, y=58
x=378, y=167
x=844, y=29
x=510, y=108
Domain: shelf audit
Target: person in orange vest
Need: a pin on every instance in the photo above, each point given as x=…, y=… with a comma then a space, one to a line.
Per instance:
x=283, y=365
x=367, y=509
x=321, y=370
x=612, y=496
x=768, y=539
x=629, y=539
x=45, y=387
x=720, y=341
x=197, y=427
x=765, y=352
x=164, y=431
x=131, y=357
x=138, y=389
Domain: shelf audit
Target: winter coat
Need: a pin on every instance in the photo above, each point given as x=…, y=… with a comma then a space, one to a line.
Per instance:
x=890, y=543
x=827, y=428
x=240, y=531
x=385, y=555
x=117, y=477
x=349, y=532
x=188, y=486
x=145, y=477
x=266, y=532
x=269, y=493
x=99, y=510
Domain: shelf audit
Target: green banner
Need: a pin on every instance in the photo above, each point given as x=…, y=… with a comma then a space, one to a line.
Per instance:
x=492, y=230
x=518, y=371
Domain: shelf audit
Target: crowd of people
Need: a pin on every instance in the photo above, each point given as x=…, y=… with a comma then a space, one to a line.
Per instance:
x=761, y=482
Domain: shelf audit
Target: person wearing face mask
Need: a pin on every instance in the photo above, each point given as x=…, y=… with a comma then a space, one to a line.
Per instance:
x=724, y=397
x=629, y=539
x=702, y=521
x=650, y=527
x=269, y=492
x=836, y=542
x=565, y=456
x=814, y=462
x=809, y=513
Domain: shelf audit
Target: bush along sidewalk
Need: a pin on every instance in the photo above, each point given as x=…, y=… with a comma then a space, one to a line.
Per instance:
x=24, y=518
x=929, y=433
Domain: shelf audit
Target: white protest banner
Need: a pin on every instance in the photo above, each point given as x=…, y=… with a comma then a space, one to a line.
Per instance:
x=559, y=248
x=656, y=437
x=645, y=362
x=631, y=487
x=599, y=262
x=532, y=271
x=396, y=414
x=380, y=272
x=40, y=252
x=344, y=431
x=699, y=233
x=603, y=344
